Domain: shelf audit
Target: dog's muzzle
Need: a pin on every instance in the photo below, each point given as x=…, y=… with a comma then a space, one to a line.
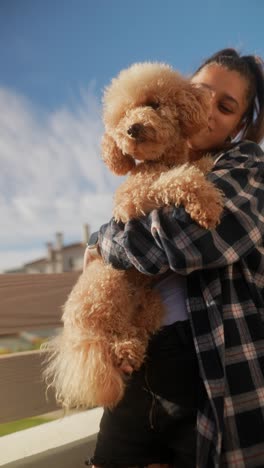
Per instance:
x=141, y=133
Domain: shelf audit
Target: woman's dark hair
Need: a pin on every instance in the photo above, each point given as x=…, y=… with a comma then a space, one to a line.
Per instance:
x=252, y=68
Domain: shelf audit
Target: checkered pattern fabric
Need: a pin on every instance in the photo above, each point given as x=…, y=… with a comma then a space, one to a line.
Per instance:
x=224, y=269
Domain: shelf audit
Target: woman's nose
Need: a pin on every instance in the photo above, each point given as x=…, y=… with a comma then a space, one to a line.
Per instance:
x=213, y=94
x=211, y=117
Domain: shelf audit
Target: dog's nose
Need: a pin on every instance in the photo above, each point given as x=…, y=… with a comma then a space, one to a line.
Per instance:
x=135, y=130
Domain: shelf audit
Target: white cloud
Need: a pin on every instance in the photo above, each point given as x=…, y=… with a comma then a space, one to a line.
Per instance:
x=52, y=177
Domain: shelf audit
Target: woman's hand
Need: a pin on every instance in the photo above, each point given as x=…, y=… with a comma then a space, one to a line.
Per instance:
x=126, y=368
x=90, y=254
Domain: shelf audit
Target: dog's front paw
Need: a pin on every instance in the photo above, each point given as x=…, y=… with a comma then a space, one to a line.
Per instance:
x=206, y=212
x=210, y=217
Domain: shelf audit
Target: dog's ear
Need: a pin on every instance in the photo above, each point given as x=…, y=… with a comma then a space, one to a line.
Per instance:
x=194, y=106
x=118, y=163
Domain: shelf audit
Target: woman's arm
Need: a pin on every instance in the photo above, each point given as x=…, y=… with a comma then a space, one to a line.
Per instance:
x=168, y=238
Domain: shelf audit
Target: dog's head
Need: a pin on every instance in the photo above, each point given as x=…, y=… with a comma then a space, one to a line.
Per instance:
x=149, y=111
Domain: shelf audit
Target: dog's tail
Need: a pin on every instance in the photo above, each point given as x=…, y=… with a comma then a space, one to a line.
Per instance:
x=81, y=372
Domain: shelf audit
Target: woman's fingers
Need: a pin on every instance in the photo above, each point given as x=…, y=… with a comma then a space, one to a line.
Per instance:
x=126, y=367
x=89, y=256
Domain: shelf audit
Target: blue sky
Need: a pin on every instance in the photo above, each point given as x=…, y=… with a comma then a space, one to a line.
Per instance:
x=50, y=49
x=56, y=57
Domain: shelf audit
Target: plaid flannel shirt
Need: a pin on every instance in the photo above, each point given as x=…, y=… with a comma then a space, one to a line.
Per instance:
x=224, y=269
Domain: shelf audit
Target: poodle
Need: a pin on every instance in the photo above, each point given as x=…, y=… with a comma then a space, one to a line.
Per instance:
x=149, y=112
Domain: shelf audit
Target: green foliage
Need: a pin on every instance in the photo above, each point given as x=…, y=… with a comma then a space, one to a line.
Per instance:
x=14, y=426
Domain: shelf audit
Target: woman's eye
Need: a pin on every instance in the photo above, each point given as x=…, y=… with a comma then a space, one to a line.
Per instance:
x=225, y=109
x=154, y=105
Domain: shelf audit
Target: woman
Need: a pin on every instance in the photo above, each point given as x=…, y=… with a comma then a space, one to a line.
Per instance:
x=199, y=399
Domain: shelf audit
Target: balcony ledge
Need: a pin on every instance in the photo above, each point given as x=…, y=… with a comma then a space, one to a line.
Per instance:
x=63, y=439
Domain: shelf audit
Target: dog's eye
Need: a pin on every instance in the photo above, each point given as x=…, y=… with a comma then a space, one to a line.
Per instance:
x=154, y=105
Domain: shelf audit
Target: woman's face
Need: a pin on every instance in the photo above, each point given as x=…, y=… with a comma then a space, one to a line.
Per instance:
x=229, y=103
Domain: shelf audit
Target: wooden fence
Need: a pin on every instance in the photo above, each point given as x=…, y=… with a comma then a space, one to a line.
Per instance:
x=30, y=302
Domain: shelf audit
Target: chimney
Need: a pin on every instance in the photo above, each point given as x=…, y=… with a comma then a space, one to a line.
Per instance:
x=49, y=251
x=59, y=241
x=86, y=233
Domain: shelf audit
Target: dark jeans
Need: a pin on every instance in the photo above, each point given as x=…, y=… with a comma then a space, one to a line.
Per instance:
x=156, y=420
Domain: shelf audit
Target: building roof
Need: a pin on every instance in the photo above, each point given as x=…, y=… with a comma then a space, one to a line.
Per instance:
x=44, y=260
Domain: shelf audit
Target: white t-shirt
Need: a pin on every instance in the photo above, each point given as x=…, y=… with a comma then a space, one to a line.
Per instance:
x=172, y=290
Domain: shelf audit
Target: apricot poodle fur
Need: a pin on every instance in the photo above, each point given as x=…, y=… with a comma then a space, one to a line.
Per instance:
x=149, y=112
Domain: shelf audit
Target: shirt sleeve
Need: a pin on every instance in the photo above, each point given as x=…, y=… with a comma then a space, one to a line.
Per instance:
x=169, y=239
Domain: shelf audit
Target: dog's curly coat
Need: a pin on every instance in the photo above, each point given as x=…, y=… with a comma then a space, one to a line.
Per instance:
x=149, y=111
